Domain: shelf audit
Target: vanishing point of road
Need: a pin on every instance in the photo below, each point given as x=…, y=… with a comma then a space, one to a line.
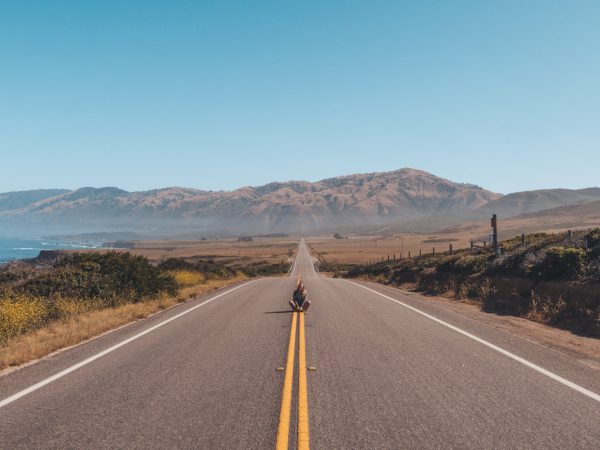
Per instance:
x=368, y=367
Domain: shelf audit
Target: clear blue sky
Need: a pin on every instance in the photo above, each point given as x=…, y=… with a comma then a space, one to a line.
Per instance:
x=221, y=94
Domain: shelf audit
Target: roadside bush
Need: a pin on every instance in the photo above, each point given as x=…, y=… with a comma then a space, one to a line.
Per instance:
x=187, y=278
x=20, y=313
x=463, y=264
x=263, y=268
x=561, y=262
x=544, y=308
x=446, y=264
x=209, y=269
x=110, y=276
x=592, y=240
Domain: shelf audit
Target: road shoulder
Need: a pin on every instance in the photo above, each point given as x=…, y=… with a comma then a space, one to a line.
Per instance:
x=585, y=349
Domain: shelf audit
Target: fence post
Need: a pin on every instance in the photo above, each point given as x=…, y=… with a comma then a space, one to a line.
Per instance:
x=523, y=239
x=471, y=245
x=494, y=232
x=408, y=255
x=419, y=253
x=433, y=251
x=450, y=248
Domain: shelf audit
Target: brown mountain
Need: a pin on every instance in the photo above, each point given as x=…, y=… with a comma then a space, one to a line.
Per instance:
x=589, y=211
x=295, y=206
x=533, y=201
x=15, y=200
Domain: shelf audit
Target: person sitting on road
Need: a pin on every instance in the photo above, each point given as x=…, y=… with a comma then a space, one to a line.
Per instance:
x=299, y=300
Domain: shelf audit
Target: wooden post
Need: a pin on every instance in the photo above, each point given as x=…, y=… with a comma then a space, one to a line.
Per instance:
x=408, y=255
x=471, y=245
x=419, y=253
x=450, y=248
x=570, y=234
x=394, y=257
x=433, y=251
x=494, y=232
x=523, y=239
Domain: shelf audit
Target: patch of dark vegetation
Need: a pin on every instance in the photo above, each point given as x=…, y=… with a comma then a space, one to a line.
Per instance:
x=59, y=285
x=109, y=276
x=551, y=278
x=435, y=240
x=336, y=269
x=264, y=269
x=37, y=292
x=210, y=269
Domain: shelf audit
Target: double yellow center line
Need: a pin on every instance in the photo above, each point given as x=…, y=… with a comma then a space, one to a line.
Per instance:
x=286, y=398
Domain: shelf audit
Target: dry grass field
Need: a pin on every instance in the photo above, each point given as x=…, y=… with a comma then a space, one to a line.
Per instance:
x=227, y=251
x=360, y=249
x=72, y=330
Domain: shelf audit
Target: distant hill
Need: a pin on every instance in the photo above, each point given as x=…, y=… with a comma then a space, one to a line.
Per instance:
x=294, y=206
x=15, y=200
x=532, y=201
x=590, y=210
x=387, y=202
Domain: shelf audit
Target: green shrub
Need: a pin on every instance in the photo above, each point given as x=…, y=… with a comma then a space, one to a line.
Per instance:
x=263, y=268
x=592, y=240
x=561, y=262
x=463, y=264
x=209, y=269
x=20, y=313
x=110, y=276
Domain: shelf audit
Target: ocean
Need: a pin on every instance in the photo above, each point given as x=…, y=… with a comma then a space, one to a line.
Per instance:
x=11, y=249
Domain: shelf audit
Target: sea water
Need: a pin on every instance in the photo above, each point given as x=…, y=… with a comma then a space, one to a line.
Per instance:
x=11, y=249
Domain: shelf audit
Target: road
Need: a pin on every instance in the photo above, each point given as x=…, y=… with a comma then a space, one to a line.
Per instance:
x=393, y=370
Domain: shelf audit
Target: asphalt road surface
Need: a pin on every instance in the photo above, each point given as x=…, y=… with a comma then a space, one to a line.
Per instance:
x=383, y=369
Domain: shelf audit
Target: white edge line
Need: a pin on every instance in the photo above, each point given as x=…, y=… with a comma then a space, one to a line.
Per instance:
x=523, y=361
x=293, y=270
x=93, y=358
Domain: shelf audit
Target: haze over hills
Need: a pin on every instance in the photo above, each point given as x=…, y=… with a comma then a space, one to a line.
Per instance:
x=538, y=200
x=20, y=199
x=360, y=201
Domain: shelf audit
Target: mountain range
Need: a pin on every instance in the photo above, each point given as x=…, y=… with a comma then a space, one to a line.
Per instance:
x=361, y=200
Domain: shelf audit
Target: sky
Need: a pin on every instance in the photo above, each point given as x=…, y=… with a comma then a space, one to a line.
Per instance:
x=221, y=94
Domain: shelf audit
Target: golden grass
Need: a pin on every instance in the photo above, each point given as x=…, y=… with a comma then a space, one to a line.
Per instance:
x=85, y=325
x=20, y=313
x=187, y=278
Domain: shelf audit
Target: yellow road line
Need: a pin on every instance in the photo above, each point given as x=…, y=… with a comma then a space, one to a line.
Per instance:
x=283, y=432
x=303, y=434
